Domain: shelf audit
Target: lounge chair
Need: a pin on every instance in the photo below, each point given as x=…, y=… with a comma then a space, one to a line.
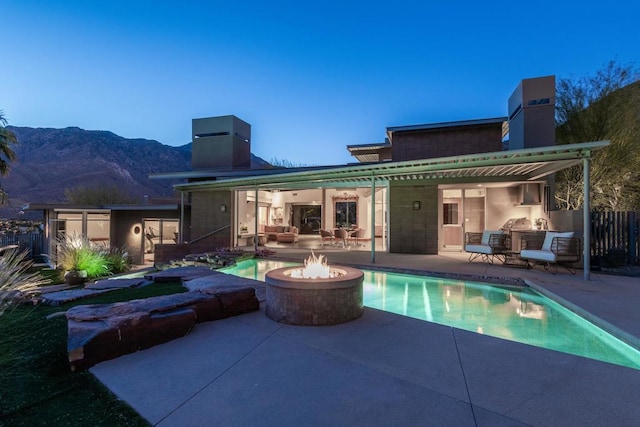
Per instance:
x=486, y=245
x=556, y=249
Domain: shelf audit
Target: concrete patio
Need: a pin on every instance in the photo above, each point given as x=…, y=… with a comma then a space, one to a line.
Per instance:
x=385, y=369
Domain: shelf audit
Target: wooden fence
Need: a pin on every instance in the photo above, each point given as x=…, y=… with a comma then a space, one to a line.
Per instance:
x=33, y=243
x=614, y=237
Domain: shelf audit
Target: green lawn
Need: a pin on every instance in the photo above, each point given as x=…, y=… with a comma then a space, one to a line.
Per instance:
x=36, y=386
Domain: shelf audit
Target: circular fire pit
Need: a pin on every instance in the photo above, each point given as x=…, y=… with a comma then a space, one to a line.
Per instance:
x=317, y=301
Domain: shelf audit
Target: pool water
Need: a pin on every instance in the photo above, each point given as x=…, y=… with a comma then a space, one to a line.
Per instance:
x=512, y=313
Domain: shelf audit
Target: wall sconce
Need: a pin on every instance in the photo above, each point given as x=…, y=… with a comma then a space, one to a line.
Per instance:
x=223, y=208
x=416, y=205
x=137, y=229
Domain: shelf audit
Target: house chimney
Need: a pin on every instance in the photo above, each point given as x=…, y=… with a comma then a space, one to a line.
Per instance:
x=222, y=142
x=532, y=114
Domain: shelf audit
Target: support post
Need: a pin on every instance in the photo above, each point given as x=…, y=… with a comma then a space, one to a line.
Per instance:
x=586, y=219
x=325, y=219
x=181, y=236
x=386, y=215
x=373, y=219
x=255, y=236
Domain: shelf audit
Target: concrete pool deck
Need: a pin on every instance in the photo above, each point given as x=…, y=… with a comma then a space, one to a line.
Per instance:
x=385, y=369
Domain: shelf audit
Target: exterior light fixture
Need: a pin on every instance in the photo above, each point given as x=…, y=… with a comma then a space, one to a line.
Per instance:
x=223, y=208
x=416, y=205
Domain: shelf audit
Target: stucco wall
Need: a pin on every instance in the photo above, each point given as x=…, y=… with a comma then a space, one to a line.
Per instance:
x=501, y=205
x=413, y=231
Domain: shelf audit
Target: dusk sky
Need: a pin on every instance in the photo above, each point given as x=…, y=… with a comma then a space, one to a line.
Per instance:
x=310, y=77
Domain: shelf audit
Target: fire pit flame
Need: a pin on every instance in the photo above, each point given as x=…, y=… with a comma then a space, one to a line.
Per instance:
x=315, y=267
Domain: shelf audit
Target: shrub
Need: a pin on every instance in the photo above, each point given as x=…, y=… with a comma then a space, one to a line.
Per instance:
x=117, y=260
x=16, y=282
x=71, y=251
x=78, y=254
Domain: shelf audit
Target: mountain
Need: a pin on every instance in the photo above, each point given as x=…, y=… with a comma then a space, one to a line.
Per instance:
x=50, y=160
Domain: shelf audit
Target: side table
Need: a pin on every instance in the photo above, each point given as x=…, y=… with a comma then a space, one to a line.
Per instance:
x=512, y=258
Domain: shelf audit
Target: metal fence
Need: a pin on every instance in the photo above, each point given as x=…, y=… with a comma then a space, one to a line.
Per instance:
x=614, y=238
x=33, y=243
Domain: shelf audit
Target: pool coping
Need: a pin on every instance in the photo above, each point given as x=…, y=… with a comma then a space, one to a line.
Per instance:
x=505, y=281
x=615, y=331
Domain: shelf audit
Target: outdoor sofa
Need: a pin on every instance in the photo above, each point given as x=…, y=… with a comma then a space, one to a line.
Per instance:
x=486, y=245
x=558, y=248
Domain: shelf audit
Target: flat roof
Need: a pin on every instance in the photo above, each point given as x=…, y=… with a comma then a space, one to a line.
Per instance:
x=368, y=152
x=162, y=207
x=61, y=206
x=442, y=125
x=366, y=147
x=233, y=173
x=100, y=209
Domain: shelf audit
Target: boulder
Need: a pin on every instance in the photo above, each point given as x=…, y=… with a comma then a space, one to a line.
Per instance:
x=101, y=332
x=178, y=274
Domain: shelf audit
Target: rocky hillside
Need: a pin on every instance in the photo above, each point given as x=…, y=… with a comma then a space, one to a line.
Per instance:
x=50, y=160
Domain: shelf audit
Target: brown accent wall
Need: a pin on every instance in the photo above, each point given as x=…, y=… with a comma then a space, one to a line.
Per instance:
x=123, y=227
x=413, y=231
x=206, y=217
x=445, y=142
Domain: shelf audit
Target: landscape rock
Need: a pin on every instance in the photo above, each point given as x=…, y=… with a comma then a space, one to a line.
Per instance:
x=104, y=331
x=116, y=283
x=216, y=280
x=179, y=274
x=61, y=297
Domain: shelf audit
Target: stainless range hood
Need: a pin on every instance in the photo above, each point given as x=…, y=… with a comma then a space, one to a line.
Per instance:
x=529, y=195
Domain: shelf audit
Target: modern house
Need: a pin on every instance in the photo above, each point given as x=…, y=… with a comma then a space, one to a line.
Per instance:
x=139, y=228
x=418, y=192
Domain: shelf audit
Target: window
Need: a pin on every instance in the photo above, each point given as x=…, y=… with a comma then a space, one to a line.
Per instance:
x=346, y=214
x=346, y=210
x=450, y=213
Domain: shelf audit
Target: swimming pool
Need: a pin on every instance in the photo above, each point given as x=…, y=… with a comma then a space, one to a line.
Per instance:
x=516, y=314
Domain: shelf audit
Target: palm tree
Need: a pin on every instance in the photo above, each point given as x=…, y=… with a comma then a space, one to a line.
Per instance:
x=7, y=139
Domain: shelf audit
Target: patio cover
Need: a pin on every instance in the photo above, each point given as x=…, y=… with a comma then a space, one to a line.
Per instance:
x=502, y=166
x=517, y=165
